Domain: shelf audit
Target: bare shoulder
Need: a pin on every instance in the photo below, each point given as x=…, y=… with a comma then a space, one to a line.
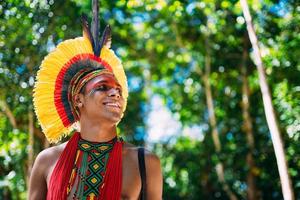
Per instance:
x=151, y=158
x=45, y=161
x=49, y=155
x=153, y=170
x=152, y=161
x=53, y=151
x=131, y=151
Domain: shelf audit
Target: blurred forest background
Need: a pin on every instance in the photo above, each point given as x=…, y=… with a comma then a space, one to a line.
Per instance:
x=195, y=98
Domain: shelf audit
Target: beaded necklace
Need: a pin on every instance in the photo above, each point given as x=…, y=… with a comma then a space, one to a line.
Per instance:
x=89, y=169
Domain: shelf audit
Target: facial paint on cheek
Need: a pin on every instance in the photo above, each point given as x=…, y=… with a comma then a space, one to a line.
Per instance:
x=91, y=92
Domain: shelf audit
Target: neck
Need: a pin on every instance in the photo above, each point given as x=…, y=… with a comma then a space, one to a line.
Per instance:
x=97, y=132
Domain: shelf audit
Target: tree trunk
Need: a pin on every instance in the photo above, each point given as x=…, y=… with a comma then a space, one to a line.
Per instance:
x=286, y=183
x=247, y=126
x=5, y=108
x=213, y=123
x=30, y=143
x=148, y=90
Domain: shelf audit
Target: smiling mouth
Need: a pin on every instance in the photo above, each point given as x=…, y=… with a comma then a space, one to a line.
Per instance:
x=112, y=104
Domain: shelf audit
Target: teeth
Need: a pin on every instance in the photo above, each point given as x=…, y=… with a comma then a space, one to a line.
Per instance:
x=112, y=104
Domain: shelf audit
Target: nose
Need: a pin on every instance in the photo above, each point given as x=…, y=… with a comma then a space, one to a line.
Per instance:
x=114, y=92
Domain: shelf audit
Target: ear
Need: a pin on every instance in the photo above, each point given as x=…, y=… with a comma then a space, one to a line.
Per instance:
x=78, y=100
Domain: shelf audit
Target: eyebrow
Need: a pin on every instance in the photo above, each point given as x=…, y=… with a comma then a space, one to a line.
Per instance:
x=105, y=81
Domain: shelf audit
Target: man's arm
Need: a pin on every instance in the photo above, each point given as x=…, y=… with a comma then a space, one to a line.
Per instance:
x=154, y=177
x=38, y=183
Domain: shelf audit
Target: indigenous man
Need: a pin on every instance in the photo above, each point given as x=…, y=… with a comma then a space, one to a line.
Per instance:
x=83, y=82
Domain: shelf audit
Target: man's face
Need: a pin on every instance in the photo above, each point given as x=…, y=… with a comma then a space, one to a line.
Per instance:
x=102, y=99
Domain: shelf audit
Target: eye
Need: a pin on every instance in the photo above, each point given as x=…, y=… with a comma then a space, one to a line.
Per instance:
x=102, y=88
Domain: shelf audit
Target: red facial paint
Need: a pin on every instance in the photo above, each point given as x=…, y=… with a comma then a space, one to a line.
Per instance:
x=103, y=83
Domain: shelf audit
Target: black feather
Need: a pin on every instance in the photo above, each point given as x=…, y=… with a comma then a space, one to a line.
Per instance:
x=106, y=38
x=86, y=30
x=95, y=27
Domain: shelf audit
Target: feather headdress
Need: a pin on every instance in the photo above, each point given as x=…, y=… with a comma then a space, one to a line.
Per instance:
x=71, y=57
